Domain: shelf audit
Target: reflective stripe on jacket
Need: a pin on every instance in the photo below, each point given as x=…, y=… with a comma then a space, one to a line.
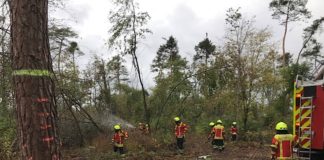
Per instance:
x=283, y=145
x=233, y=130
x=180, y=130
x=119, y=138
x=218, y=131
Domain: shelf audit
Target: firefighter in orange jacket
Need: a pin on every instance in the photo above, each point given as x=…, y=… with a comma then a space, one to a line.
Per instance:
x=144, y=128
x=234, y=131
x=211, y=125
x=218, y=133
x=211, y=133
x=180, y=130
x=118, y=139
x=282, y=143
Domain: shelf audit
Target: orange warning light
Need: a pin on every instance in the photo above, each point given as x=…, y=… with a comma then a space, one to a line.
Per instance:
x=298, y=95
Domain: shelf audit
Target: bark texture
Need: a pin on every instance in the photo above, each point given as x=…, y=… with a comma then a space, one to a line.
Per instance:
x=34, y=94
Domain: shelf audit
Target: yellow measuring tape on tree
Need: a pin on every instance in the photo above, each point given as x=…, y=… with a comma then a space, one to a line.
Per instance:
x=32, y=72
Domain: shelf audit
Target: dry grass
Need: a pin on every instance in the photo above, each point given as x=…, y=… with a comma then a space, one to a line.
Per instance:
x=144, y=147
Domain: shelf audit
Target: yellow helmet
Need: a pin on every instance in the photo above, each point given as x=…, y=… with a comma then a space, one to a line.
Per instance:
x=211, y=124
x=177, y=119
x=219, y=121
x=117, y=127
x=281, y=126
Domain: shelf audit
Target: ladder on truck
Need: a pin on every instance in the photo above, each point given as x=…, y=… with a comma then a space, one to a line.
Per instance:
x=318, y=71
x=305, y=132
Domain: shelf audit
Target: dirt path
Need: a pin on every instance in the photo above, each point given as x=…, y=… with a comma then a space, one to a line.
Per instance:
x=233, y=151
x=145, y=148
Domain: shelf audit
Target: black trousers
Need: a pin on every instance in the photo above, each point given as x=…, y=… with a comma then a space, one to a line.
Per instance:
x=219, y=142
x=180, y=142
x=213, y=142
x=234, y=137
x=120, y=149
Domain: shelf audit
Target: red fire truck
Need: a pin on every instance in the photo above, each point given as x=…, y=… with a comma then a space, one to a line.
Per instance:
x=308, y=115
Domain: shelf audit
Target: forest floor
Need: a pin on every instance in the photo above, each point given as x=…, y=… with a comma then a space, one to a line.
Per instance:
x=144, y=149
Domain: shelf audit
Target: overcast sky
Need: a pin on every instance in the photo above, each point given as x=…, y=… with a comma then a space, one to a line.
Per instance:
x=186, y=20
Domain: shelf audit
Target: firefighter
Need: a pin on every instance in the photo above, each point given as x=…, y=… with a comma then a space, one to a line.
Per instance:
x=144, y=128
x=180, y=130
x=211, y=125
x=282, y=143
x=234, y=131
x=118, y=139
x=218, y=133
x=211, y=135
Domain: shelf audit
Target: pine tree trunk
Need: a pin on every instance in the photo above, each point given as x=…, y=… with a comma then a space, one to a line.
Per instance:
x=284, y=38
x=59, y=58
x=106, y=88
x=32, y=83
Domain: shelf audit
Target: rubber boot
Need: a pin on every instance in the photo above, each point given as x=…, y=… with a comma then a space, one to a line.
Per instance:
x=220, y=148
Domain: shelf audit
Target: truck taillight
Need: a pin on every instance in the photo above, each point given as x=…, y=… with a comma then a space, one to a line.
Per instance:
x=298, y=95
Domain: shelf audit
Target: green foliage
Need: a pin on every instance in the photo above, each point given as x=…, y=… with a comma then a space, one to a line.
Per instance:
x=289, y=74
x=173, y=87
x=311, y=46
x=313, y=28
x=281, y=104
x=117, y=72
x=203, y=61
x=204, y=49
x=250, y=59
x=234, y=81
x=7, y=116
x=127, y=25
x=58, y=32
x=289, y=10
x=128, y=28
x=129, y=103
x=7, y=134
